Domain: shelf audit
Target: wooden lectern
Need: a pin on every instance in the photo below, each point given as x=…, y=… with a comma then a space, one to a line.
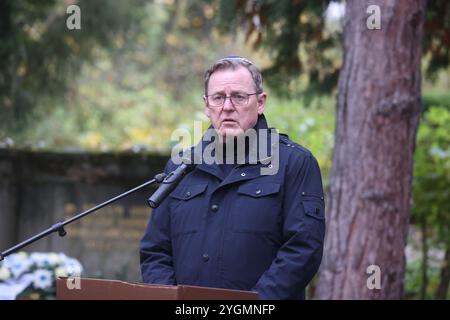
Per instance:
x=98, y=289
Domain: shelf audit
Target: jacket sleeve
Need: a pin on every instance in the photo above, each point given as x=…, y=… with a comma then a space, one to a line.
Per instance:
x=156, y=247
x=300, y=254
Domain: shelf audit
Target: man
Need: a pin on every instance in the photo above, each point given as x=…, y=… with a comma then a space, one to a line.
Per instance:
x=229, y=225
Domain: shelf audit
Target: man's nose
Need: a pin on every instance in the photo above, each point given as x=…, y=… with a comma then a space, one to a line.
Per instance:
x=228, y=104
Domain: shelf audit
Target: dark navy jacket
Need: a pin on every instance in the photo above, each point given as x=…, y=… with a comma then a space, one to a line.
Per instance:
x=243, y=231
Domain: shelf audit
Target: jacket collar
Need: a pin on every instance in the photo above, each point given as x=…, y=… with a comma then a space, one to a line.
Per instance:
x=257, y=146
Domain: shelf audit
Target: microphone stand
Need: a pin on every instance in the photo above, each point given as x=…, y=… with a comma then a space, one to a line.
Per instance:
x=59, y=226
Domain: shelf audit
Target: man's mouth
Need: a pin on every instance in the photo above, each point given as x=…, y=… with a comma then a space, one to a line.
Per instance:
x=225, y=121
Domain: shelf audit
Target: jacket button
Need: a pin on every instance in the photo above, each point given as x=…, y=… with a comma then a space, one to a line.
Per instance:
x=205, y=257
x=214, y=207
x=187, y=195
x=258, y=191
x=243, y=174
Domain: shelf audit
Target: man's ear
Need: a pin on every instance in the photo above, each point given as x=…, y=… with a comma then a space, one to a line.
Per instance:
x=207, y=110
x=261, y=103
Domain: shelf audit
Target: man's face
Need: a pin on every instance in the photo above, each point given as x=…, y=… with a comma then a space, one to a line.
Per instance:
x=232, y=120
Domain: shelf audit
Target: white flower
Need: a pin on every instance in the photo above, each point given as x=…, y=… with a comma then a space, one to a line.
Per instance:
x=62, y=257
x=302, y=128
x=40, y=259
x=42, y=279
x=17, y=266
x=441, y=153
x=310, y=122
x=14, y=258
x=61, y=272
x=22, y=255
x=4, y=273
x=17, y=263
x=73, y=267
x=54, y=259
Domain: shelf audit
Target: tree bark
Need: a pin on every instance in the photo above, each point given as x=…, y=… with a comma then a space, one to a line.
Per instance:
x=378, y=111
x=442, y=291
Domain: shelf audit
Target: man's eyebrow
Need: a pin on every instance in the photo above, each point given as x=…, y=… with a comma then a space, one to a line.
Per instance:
x=223, y=92
x=217, y=92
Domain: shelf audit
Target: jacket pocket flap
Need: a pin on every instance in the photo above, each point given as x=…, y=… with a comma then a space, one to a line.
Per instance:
x=259, y=190
x=314, y=208
x=188, y=192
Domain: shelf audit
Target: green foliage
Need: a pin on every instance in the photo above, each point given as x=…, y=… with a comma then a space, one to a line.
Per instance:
x=436, y=43
x=431, y=194
x=436, y=98
x=301, y=42
x=413, y=280
x=39, y=55
x=294, y=35
x=135, y=93
x=431, y=182
x=309, y=125
x=132, y=94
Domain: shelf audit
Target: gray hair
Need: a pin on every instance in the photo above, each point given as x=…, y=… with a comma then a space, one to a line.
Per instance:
x=234, y=62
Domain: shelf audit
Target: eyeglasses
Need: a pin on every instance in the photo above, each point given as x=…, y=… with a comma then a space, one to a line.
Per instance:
x=236, y=98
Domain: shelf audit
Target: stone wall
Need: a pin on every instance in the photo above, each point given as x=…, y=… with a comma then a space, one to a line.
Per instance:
x=38, y=189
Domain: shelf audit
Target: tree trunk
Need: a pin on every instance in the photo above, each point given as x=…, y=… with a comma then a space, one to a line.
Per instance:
x=424, y=286
x=378, y=111
x=441, y=293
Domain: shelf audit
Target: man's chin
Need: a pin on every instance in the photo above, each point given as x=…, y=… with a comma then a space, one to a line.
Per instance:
x=228, y=134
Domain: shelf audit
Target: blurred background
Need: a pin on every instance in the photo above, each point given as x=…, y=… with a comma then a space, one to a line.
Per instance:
x=87, y=113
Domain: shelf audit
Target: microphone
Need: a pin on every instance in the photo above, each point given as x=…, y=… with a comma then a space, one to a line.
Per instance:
x=168, y=184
